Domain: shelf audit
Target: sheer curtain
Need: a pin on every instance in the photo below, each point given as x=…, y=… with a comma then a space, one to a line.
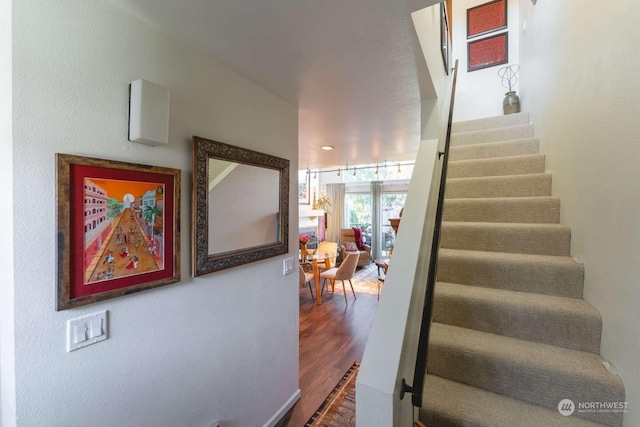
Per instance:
x=335, y=218
x=376, y=219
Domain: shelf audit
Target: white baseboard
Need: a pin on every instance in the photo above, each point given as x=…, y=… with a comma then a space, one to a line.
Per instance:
x=283, y=410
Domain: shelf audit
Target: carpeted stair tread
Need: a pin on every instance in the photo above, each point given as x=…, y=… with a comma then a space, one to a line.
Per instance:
x=544, y=210
x=491, y=123
x=565, y=322
x=537, y=239
x=536, y=373
x=512, y=165
x=451, y=404
x=512, y=336
x=516, y=147
x=542, y=274
x=530, y=185
x=492, y=135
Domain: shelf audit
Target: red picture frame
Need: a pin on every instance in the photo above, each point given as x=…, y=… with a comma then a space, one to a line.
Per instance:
x=486, y=18
x=488, y=52
x=118, y=229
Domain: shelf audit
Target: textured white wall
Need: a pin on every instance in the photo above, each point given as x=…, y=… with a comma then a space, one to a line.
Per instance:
x=427, y=26
x=580, y=81
x=479, y=93
x=390, y=354
x=222, y=347
x=7, y=379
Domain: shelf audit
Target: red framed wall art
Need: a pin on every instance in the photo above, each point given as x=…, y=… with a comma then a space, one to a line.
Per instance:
x=486, y=18
x=118, y=229
x=488, y=52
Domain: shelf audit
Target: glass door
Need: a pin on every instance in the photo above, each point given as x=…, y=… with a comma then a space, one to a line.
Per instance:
x=392, y=203
x=358, y=213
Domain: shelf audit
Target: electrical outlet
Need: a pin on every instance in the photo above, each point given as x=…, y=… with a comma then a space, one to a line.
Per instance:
x=287, y=266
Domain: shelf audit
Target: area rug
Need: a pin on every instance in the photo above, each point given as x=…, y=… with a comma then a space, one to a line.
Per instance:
x=339, y=408
x=365, y=281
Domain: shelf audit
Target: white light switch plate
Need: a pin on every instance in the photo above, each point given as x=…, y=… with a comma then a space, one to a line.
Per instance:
x=86, y=330
x=288, y=266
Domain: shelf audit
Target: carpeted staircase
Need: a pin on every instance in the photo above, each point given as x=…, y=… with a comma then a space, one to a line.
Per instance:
x=512, y=336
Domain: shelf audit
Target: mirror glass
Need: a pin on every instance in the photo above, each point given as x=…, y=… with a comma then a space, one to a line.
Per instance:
x=244, y=202
x=240, y=206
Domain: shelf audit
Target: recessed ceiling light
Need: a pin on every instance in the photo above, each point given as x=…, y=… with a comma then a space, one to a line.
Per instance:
x=327, y=147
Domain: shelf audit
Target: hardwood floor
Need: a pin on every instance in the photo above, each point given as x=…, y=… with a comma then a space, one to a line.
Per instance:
x=332, y=337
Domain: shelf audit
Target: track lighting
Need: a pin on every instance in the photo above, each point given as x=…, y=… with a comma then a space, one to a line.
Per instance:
x=354, y=169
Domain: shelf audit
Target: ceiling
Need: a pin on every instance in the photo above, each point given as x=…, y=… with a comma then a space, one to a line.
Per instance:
x=350, y=66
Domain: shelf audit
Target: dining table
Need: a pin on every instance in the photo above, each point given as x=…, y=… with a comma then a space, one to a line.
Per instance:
x=315, y=258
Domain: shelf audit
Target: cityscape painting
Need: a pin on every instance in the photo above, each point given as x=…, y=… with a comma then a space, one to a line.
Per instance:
x=123, y=228
x=117, y=229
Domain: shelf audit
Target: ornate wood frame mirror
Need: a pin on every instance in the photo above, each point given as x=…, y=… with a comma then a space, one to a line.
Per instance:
x=240, y=206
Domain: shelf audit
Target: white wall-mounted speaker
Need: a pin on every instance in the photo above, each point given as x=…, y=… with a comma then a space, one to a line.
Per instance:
x=148, y=113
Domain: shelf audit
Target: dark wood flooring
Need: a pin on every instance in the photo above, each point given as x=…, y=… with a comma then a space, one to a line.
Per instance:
x=332, y=337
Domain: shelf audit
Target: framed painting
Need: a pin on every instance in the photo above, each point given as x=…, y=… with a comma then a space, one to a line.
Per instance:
x=444, y=37
x=118, y=227
x=304, y=188
x=488, y=52
x=486, y=18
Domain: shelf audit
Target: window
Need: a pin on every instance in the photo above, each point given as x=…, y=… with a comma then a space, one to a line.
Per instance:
x=358, y=213
x=392, y=203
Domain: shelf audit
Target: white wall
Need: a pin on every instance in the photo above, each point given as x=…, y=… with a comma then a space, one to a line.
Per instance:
x=580, y=81
x=221, y=347
x=390, y=354
x=427, y=25
x=7, y=382
x=479, y=93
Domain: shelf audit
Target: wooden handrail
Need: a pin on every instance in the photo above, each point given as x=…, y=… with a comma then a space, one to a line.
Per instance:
x=427, y=310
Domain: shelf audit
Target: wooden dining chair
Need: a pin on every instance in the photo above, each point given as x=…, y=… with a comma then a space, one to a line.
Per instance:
x=306, y=279
x=345, y=272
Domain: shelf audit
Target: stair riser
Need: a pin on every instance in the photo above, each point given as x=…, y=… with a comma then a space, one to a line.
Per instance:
x=491, y=123
x=493, y=150
x=451, y=404
x=516, y=165
x=535, y=185
x=492, y=135
x=522, y=240
x=563, y=280
x=536, y=210
x=537, y=386
x=568, y=330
